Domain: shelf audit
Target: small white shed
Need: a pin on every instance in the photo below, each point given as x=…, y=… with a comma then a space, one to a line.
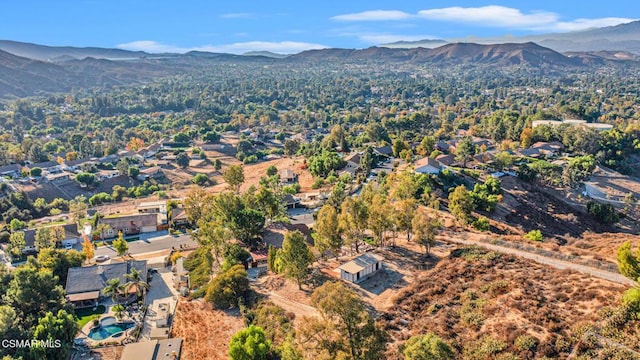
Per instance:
x=360, y=268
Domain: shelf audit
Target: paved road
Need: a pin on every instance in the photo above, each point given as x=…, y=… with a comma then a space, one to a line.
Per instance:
x=150, y=245
x=558, y=264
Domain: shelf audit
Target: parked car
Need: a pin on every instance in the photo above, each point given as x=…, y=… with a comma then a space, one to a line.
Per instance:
x=68, y=246
x=101, y=258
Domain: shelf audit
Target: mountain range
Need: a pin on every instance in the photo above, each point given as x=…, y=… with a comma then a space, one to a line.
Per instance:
x=623, y=37
x=31, y=69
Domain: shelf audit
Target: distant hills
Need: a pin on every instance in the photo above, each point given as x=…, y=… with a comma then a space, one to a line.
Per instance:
x=623, y=37
x=45, y=69
x=452, y=54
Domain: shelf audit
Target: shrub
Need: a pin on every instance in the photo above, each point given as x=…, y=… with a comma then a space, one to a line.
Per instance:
x=526, y=343
x=603, y=213
x=228, y=289
x=482, y=224
x=534, y=235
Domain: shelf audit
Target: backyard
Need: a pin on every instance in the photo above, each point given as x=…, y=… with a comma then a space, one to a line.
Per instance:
x=85, y=315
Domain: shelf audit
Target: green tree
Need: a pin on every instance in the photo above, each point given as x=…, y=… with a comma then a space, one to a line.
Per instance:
x=353, y=221
x=272, y=170
x=291, y=147
x=234, y=177
x=405, y=212
x=628, y=262
x=366, y=161
x=328, y=232
x=43, y=238
x=36, y=172
x=200, y=179
x=603, y=213
x=345, y=330
x=16, y=243
x=504, y=160
x=135, y=281
x=133, y=172
x=249, y=344
x=424, y=230
x=181, y=137
x=16, y=225
x=427, y=347
x=228, y=288
x=380, y=217
x=86, y=178
x=114, y=289
x=55, y=327
x=59, y=261
x=123, y=166
x=296, y=256
x=465, y=150
x=120, y=244
x=182, y=159
x=32, y=293
x=461, y=203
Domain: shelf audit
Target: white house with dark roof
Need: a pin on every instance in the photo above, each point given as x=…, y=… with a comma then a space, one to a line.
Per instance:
x=360, y=268
x=428, y=165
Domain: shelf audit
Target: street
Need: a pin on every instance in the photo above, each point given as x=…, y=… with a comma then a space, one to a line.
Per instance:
x=150, y=245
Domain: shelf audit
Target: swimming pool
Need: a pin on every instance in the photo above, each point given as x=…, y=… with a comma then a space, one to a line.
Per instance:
x=109, y=328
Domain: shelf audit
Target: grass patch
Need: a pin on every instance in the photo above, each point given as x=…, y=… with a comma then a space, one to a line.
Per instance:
x=85, y=315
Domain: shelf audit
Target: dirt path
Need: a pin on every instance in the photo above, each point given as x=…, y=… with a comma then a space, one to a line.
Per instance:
x=558, y=264
x=293, y=306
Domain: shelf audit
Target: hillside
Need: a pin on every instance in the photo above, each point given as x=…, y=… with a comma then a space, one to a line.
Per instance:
x=63, y=53
x=477, y=298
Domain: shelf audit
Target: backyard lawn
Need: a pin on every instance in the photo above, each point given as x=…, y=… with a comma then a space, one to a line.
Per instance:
x=85, y=315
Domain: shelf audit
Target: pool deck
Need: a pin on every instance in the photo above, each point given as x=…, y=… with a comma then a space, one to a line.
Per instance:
x=83, y=334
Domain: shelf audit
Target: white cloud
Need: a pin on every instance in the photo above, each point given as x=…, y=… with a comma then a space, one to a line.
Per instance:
x=374, y=15
x=237, y=16
x=281, y=47
x=582, y=24
x=390, y=38
x=493, y=15
x=489, y=16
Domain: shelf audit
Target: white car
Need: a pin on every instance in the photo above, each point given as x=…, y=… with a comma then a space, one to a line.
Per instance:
x=101, y=258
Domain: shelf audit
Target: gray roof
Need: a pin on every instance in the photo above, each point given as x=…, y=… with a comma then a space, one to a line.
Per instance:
x=360, y=263
x=94, y=278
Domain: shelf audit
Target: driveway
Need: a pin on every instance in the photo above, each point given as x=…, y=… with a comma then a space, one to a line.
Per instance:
x=161, y=291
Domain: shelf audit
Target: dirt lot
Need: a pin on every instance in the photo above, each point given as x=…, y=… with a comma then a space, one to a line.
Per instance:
x=206, y=332
x=465, y=298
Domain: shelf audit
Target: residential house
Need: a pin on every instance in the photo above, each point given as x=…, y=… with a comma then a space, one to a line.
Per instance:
x=179, y=218
x=165, y=349
x=360, y=268
x=290, y=201
x=548, y=148
x=13, y=171
x=353, y=164
x=386, y=150
x=74, y=165
x=51, y=167
x=288, y=176
x=427, y=165
x=85, y=285
x=274, y=233
x=129, y=224
x=154, y=207
x=109, y=159
x=71, y=237
x=150, y=173
x=446, y=159
x=103, y=175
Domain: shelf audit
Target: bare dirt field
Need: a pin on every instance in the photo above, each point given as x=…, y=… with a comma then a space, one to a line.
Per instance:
x=206, y=332
x=478, y=293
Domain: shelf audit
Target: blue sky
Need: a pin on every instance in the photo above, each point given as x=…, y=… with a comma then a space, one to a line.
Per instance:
x=290, y=26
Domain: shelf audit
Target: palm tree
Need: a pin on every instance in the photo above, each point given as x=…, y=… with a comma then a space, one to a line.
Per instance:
x=134, y=278
x=114, y=288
